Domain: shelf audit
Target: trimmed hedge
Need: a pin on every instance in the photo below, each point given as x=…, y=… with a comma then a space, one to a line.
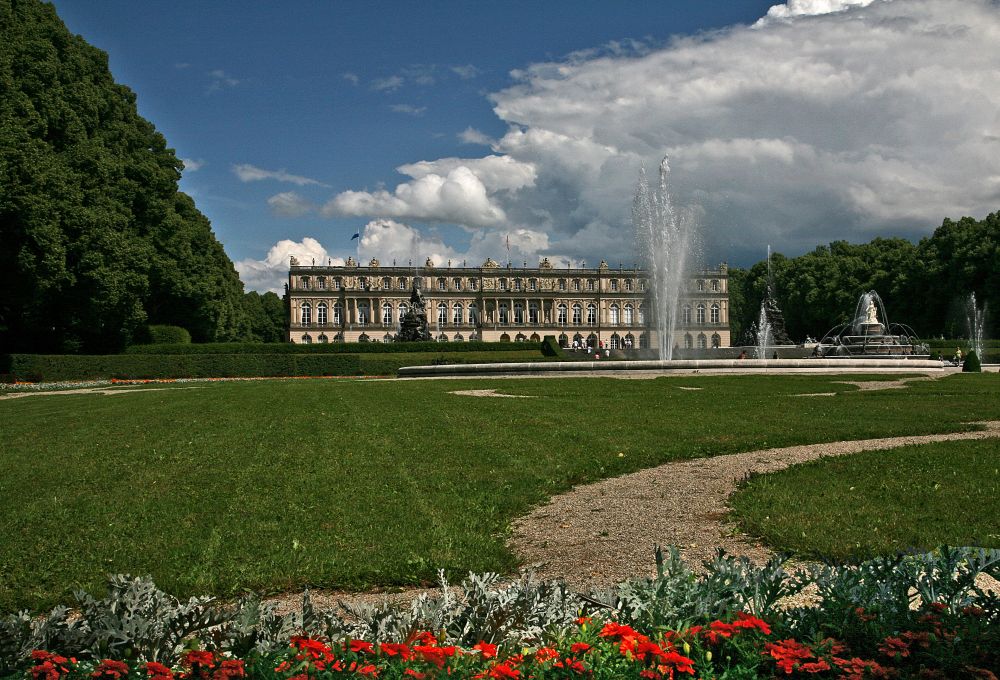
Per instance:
x=333, y=347
x=56, y=367
x=160, y=335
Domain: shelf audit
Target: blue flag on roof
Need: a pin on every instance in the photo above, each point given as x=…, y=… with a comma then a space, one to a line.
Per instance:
x=357, y=234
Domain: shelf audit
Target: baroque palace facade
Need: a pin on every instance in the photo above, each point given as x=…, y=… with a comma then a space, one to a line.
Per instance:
x=353, y=303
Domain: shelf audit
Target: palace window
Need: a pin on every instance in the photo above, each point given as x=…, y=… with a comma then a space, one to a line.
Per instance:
x=386, y=283
x=306, y=339
x=402, y=283
x=627, y=316
x=473, y=315
x=338, y=313
x=304, y=281
x=613, y=315
x=702, y=341
x=590, y=284
x=501, y=284
x=518, y=312
x=562, y=284
x=642, y=315
x=503, y=312
x=336, y=283
x=533, y=312
x=576, y=284
x=517, y=284
x=364, y=314
x=321, y=283
x=591, y=313
x=628, y=285
x=562, y=314
x=615, y=341
x=715, y=285
x=642, y=289
x=473, y=284
x=532, y=284
x=403, y=309
x=442, y=314
x=701, y=313
x=716, y=340
x=701, y=286
x=686, y=315
x=387, y=314
x=688, y=343
x=457, y=284
x=323, y=339
x=614, y=285
x=577, y=315
x=321, y=314
x=306, y=314
x=442, y=284
x=363, y=282
x=457, y=315
x=715, y=312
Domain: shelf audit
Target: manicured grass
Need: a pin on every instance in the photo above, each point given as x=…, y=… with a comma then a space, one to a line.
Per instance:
x=879, y=502
x=220, y=487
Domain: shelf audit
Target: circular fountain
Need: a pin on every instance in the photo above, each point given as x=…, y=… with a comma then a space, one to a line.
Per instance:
x=870, y=335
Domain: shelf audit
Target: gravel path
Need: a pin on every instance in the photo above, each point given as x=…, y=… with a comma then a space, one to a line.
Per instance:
x=603, y=533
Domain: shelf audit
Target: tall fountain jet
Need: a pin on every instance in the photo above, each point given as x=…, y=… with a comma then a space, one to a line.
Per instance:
x=664, y=238
x=975, y=321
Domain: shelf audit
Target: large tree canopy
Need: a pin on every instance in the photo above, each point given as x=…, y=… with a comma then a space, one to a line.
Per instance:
x=96, y=238
x=924, y=285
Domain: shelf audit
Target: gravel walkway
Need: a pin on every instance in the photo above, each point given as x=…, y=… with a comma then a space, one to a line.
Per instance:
x=603, y=533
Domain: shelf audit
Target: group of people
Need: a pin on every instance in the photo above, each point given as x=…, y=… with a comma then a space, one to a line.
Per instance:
x=601, y=348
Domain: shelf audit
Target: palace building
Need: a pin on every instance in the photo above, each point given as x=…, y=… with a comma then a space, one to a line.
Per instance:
x=495, y=302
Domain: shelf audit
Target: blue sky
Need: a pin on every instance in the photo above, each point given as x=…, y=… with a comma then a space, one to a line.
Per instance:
x=438, y=129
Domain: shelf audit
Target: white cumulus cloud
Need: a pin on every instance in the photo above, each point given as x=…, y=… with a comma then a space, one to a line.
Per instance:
x=251, y=173
x=271, y=272
x=289, y=204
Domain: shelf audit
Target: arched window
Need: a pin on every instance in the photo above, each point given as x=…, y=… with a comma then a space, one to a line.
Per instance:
x=532, y=312
x=321, y=284
x=387, y=338
x=386, y=283
x=364, y=338
x=457, y=284
x=702, y=341
x=701, y=313
x=562, y=284
x=577, y=315
x=715, y=285
x=338, y=313
x=503, y=313
x=592, y=340
x=306, y=314
x=688, y=343
x=442, y=314
x=518, y=312
x=403, y=310
x=442, y=284
x=627, y=316
x=323, y=339
x=458, y=338
x=402, y=283
x=473, y=315
x=615, y=341
x=687, y=315
x=716, y=340
x=504, y=337
x=643, y=340
x=563, y=340
x=386, y=314
x=364, y=314
x=339, y=337
x=613, y=315
x=561, y=313
x=535, y=337
x=629, y=341
x=321, y=314
x=715, y=312
x=457, y=315
x=306, y=339
x=442, y=338
x=592, y=313
x=578, y=339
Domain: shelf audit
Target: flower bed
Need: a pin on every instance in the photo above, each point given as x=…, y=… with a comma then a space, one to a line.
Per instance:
x=908, y=617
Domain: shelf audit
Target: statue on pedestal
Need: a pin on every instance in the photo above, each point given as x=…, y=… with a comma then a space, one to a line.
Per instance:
x=413, y=324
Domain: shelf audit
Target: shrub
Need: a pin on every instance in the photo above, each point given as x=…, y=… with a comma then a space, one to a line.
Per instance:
x=971, y=363
x=332, y=348
x=173, y=335
x=550, y=347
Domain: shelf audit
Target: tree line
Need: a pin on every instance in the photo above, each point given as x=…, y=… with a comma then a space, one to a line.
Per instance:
x=924, y=285
x=97, y=240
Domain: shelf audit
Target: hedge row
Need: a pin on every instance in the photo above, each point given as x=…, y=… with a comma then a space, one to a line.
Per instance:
x=57, y=367
x=332, y=348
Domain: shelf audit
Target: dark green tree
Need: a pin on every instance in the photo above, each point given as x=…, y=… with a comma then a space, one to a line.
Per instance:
x=267, y=316
x=97, y=239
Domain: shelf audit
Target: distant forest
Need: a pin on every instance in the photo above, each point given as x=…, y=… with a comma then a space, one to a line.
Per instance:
x=98, y=242
x=923, y=285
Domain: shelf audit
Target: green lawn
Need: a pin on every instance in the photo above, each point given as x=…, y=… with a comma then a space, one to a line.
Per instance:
x=220, y=487
x=878, y=502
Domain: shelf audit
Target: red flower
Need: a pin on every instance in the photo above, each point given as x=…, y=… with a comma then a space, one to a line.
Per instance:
x=859, y=669
x=315, y=649
x=787, y=653
x=110, y=669
x=486, y=650
x=579, y=647
x=574, y=665
x=434, y=655
x=612, y=630
x=395, y=649
x=230, y=668
x=416, y=675
x=820, y=666
x=199, y=658
x=647, y=649
x=680, y=663
x=427, y=637
x=860, y=612
x=893, y=647
x=503, y=672
x=921, y=639
x=546, y=654
x=157, y=671
x=718, y=630
x=362, y=647
x=749, y=622
x=583, y=620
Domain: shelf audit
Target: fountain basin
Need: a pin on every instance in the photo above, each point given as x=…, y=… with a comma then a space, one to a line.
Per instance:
x=842, y=365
